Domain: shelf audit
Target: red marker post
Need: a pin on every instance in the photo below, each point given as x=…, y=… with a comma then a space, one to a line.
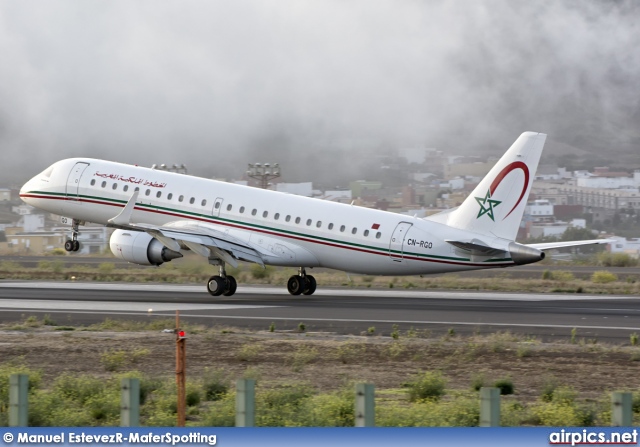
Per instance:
x=181, y=378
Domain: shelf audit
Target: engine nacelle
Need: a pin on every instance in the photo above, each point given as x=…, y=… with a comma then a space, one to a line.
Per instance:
x=521, y=254
x=140, y=248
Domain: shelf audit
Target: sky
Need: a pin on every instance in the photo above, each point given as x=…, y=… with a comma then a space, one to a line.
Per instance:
x=321, y=87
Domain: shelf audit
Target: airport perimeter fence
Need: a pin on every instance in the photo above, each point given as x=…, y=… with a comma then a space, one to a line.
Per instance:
x=621, y=404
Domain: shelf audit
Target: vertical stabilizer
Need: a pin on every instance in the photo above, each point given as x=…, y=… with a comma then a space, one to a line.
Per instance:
x=496, y=206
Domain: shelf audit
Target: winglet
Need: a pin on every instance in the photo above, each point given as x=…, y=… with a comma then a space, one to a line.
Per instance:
x=124, y=218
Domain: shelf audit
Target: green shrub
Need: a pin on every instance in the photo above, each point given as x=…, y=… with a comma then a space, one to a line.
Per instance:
x=349, y=351
x=106, y=268
x=428, y=385
x=477, y=382
x=113, y=360
x=303, y=355
x=505, y=385
x=248, y=352
x=616, y=260
x=633, y=338
x=603, y=277
x=259, y=272
x=330, y=410
x=215, y=384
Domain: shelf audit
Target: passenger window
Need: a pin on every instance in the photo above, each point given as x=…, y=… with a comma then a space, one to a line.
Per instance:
x=169, y=196
x=354, y=230
x=191, y=200
x=254, y=212
x=180, y=199
x=104, y=184
x=276, y=216
x=378, y=234
x=265, y=214
x=147, y=192
x=342, y=228
x=229, y=207
x=241, y=209
x=319, y=224
x=125, y=188
x=204, y=202
x=308, y=222
x=330, y=226
x=93, y=182
x=297, y=220
x=159, y=194
x=137, y=188
x=366, y=233
x=217, y=204
x=287, y=219
x=115, y=186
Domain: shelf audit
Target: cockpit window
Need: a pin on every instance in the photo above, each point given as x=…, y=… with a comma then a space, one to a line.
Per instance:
x=47, y=172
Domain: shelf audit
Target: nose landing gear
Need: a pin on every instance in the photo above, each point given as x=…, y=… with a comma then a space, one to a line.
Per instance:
x=301, y=283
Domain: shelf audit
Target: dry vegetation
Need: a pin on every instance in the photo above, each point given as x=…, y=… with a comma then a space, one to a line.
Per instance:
x=565, y=383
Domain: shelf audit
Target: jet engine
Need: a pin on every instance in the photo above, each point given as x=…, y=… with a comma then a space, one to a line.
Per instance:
x=521, y=254
x=140, y=248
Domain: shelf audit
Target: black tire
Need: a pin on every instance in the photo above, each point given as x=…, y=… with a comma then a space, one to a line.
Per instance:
x=232, y=285
x=295, y=285
x=69, y=245
x=216, y=286
x=310, y=285
x=76, y=245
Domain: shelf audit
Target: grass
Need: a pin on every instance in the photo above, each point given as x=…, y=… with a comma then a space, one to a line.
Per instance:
x=193, y=271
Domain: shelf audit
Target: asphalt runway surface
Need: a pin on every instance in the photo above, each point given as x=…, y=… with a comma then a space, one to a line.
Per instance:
x=338, y=310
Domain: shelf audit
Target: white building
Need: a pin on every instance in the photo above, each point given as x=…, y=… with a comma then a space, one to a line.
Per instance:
x=622, y=245
x=539, y=208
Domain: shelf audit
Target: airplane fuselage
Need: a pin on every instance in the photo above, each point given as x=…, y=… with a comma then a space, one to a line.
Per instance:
x=288, y=230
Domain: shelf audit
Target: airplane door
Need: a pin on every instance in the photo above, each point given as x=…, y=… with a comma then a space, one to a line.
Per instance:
x=217, y=206
x=73, y=181
x=396, y=245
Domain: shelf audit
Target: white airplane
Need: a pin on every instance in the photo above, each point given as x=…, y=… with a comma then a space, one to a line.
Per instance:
x=159, y=214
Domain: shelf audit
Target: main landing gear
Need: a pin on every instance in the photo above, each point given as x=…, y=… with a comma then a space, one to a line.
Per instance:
x=73, y=244
x=301, y=283
x=222, y=284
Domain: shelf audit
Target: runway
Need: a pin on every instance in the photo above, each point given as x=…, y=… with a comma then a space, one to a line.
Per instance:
x=338, y=310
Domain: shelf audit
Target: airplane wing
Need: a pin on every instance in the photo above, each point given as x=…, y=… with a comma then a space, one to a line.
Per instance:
x=205, y=241
x=551, y=245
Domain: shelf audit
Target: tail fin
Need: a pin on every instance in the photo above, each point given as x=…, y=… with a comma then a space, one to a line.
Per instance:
x=496, y=206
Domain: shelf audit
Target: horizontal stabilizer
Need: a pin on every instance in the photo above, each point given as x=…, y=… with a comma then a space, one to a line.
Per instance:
x=519, y=254
x=552, y=245
x=476, y=249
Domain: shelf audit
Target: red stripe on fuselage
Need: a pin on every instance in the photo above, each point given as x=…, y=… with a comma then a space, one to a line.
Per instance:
x=272, y=233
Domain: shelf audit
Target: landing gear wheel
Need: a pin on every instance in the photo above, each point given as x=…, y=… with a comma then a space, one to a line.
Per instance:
x=231, y=286
x=295, y=285
x=76, y=245
x=310, y=285
x=216, y=285
x=69, y=245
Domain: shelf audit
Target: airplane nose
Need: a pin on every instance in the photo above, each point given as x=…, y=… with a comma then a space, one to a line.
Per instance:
x=26, y=189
